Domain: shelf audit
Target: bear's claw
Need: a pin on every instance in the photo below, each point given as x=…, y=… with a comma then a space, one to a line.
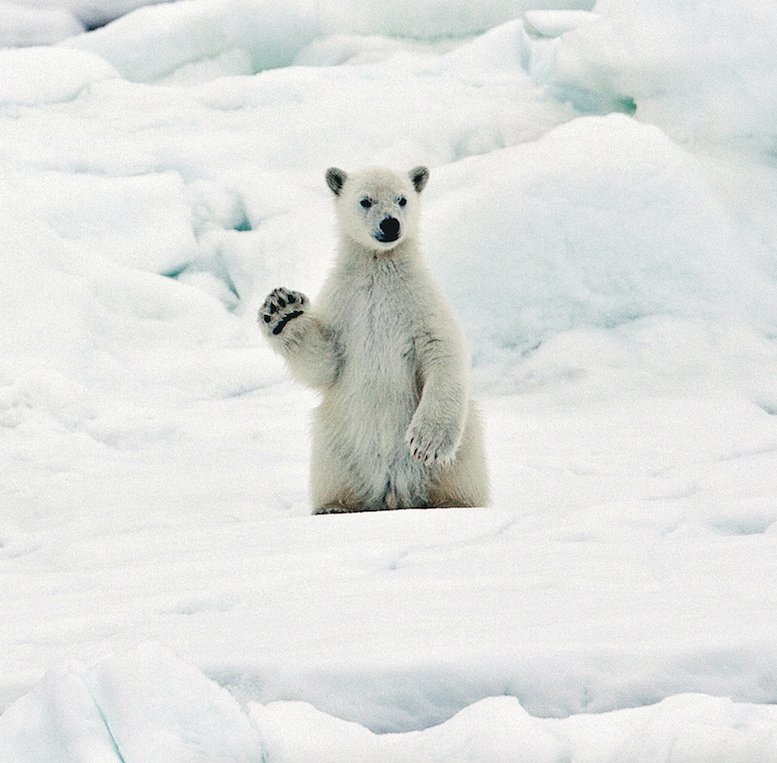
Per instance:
x=430, y=442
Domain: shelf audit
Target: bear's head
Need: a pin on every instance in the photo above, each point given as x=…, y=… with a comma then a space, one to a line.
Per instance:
x=377, y=208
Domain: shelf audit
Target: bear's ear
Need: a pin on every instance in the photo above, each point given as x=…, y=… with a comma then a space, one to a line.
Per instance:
x=419, y=176
x=335, y=179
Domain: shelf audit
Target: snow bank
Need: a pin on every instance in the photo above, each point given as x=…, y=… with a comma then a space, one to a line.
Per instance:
x=101, y=215
x=45, y=22
x=687, y=728
x=78, y=323
x=399, y=623
x=600, y=223
x=701, y=72
x=21, y=26
x=247, y=36
x=429, y=19
x=48, y=75
x=88, y=12
x=144, y=705
x=39, y=22
x=148, y=704
x=56, y=297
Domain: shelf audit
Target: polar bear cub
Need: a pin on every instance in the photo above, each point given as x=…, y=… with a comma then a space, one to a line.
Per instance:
x=396, y=427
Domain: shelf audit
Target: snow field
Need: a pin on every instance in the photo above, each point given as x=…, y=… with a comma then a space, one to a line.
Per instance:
x=165, y=593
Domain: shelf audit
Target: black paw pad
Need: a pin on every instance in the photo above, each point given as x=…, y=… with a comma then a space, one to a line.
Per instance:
x=281, y=307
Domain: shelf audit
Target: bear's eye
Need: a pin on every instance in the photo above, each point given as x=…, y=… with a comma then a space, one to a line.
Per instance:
x=401, y=201
x=366, y=203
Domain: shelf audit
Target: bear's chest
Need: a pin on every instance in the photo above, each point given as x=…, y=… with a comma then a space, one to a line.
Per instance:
x=377, y=330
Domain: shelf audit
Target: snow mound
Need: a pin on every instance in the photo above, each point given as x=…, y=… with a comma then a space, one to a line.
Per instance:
x=702, y=72
x=192, y=38
x=143, y=705
x=430, y=19
x=101, y=215
x=21, y=26
x=609, y=222
x=89, y=13
x=554, y=23
x=243, y=36
x=57, y=297
x=690, y=728
x=39, y=76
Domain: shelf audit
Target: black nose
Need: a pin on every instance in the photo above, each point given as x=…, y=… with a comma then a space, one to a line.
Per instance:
x=389, y=230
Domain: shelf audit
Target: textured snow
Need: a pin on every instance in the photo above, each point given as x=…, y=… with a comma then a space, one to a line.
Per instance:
x=601, y=216
x=150, y=705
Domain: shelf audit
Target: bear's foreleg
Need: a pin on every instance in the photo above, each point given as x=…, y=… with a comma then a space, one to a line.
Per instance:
x=464, y=481
x=301, y=338
x=437, y=425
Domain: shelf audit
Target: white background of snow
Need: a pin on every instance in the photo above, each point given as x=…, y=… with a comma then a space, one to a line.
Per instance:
x=616, y=277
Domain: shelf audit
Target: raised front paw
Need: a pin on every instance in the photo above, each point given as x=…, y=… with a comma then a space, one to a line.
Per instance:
x=431, y=441
x=280, y=307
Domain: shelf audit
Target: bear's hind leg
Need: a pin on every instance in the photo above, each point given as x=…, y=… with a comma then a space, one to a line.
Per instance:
x=330, y=493
x=333, y=508
x=332, y=482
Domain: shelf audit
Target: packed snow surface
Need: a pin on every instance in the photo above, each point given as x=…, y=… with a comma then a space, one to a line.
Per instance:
x=601, y=214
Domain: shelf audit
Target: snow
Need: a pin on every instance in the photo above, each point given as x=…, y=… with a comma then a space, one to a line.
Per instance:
x=21, y=25
x=42, y=22
x=151, y=705
x=33, y=77
x=600, y=214
x=703, y=73
x=147, y=705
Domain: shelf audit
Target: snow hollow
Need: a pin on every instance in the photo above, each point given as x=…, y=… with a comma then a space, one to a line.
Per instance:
x=600, y=213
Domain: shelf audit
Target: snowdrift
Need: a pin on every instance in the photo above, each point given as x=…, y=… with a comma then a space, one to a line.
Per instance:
x=31, y=22
x=581, y=198
x=702, y=73
x=150, y=705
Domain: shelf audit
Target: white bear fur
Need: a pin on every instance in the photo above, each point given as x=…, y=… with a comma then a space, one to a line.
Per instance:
x=396, y=427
